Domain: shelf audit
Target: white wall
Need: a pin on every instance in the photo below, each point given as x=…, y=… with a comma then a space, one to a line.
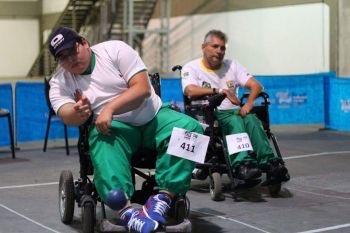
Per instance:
x=278, y=40
x=50, y=6
x=19, y=46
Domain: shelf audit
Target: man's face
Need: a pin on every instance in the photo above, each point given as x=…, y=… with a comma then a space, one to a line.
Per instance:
x=75, y=60
x=214, y=52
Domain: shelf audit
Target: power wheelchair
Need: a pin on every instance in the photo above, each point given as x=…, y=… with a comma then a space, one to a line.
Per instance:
x=216, y=163
x=83, y=191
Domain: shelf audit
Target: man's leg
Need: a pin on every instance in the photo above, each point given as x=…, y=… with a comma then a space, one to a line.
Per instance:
x=258, y=138
x=244, y=167
x=111, y=155
x=173, y=174
x=268, y=161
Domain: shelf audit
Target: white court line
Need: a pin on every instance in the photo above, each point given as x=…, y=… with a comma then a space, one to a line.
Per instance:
x=316, y=154
x=27, y=185
x=326, y=228
x=232, y=220
x=29, y=219
x=319, y=194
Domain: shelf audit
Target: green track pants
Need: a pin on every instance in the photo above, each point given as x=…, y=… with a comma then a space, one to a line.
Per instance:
x=231, y=123
x=111, y=154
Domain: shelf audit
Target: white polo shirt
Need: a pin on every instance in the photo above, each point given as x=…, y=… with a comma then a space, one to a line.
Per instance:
x=231, y=75
x=116, y=63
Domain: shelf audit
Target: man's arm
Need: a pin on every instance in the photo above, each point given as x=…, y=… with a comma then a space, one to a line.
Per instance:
x=255, y=88
x=139, y=89
x=192, y=91
x=75, y=114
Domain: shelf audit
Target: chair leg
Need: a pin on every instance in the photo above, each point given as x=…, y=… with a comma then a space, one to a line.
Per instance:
x=11, y=137
x=47, y=131
x=66, y=138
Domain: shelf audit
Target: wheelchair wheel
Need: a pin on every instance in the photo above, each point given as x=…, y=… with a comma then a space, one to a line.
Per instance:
x=215, y=187
x=181, y=210
x=88, y=217
x=66, y=196
x=275, y=189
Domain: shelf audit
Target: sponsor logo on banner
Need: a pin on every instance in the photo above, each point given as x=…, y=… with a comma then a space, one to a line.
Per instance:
x=285, y=99
x=345, y=105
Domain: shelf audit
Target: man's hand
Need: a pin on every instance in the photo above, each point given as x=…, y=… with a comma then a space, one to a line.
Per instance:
x=104, y=121
x=82, y=107
x=233, y=98
x=246, y=108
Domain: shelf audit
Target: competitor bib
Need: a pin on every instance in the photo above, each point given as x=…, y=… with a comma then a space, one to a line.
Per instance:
x=188, y=145
x=238, y=142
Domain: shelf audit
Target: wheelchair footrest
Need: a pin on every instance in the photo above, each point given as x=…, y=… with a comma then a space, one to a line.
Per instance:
x=240, y=184
x=106, y=226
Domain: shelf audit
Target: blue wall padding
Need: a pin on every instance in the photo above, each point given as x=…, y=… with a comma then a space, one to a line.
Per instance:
x=32, y=114
x=7, y=103
x=171, y=91
x=295, y=99
x=338, y=116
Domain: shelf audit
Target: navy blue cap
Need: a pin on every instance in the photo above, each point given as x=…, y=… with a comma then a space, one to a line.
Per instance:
x=62, y=38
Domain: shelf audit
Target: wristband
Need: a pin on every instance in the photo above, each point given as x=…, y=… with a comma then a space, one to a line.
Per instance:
x=214, y=90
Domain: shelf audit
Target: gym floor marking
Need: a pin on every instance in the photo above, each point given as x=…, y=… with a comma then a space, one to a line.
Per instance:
x=29, y=219
x=231, y=219
x=327, y=228
x=316, y=154
x=218, y=216
x=27, y=185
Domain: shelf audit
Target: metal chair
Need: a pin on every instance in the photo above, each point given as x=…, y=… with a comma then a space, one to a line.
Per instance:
x=6, y=113
x=51, y=114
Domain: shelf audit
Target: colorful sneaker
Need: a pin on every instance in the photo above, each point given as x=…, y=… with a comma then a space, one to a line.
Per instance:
x=136, y=220
x=157, y=206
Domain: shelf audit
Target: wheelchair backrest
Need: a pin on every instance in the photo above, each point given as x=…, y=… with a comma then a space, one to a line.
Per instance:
x=155, y=81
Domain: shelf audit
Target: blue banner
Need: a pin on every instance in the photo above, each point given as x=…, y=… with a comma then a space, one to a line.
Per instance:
x=6, y=102
x=32, y=114
x=338, y=116
x=295, y=99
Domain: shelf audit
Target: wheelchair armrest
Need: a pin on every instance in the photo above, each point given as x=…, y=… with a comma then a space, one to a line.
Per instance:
x=211, y=101
x=262, y=94
x=216, y=100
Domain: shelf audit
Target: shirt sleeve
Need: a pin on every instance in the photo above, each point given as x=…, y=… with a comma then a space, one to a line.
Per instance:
x=188, y=76
x=242, y=74
x=126, y=59
x=60, y=94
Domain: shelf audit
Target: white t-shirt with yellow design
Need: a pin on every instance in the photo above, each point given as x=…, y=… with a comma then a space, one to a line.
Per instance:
x=231, y=75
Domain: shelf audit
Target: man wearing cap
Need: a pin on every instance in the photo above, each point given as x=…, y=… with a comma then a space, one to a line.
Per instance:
x=212, y=74
x=110, y=81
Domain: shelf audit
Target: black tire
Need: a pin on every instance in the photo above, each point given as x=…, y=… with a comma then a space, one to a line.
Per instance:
x=180, y=210
x=275, y=189
x=66, y=196
x=88, y=217
x=215, y=187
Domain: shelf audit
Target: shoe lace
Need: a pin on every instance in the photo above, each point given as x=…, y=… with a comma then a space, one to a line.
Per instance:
x=135, y=223
x=160, y=206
